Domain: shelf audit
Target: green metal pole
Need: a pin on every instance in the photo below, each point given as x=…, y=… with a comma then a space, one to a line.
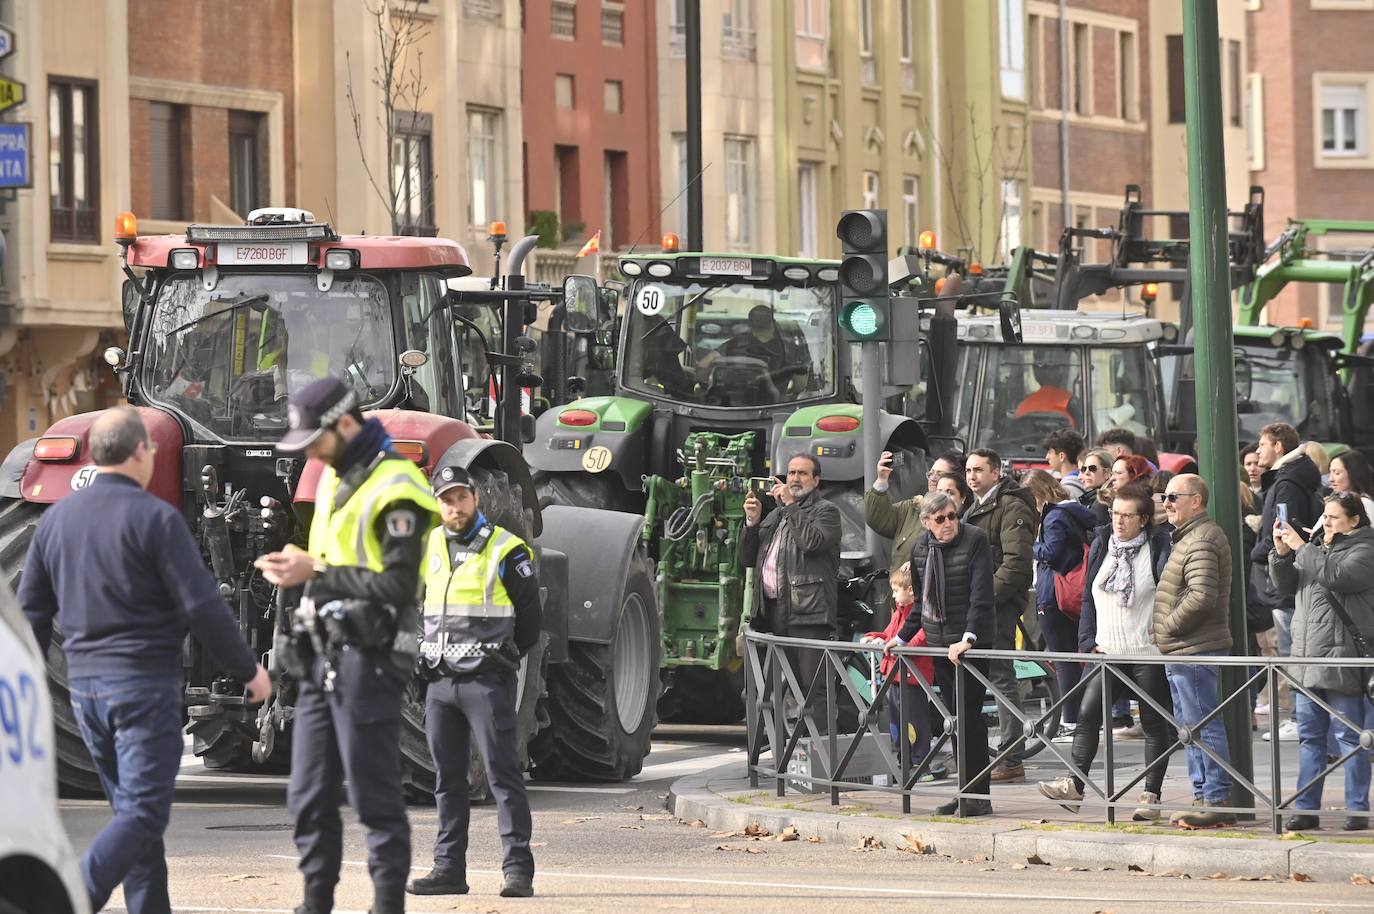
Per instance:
x=1213, y=351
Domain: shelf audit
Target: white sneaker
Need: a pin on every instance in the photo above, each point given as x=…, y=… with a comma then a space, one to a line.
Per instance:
x=1288, y=732
x=1066, y=733
x=1262, y=709
x=1134, y=731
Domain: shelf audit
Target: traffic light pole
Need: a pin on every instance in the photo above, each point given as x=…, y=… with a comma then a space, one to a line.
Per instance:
x=692, y=40
x=871, y=354
x=1213, y=351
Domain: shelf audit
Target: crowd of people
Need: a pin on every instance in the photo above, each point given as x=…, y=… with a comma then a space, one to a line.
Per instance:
x=1111, y=554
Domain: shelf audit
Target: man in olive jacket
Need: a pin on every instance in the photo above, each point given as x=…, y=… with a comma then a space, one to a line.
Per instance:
x=901, y=521
x=1191, y=611
x=796, y=553
x=1005, y=511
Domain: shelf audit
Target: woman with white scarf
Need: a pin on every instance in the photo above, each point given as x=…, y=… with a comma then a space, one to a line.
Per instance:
x=1124, y=565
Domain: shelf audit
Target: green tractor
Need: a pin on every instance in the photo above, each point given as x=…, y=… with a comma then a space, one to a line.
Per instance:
x=726, y=366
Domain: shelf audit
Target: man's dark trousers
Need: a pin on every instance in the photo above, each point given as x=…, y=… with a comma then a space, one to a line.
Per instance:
x=973, y=734
x=1004, y=678
x=353, y=732
x=458, y=710
x=132, y=725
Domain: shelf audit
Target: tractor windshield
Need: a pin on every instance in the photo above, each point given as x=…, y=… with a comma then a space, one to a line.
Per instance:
x=1029, y=391
x=227, y=359
x=1271, y=386
x=730, y=345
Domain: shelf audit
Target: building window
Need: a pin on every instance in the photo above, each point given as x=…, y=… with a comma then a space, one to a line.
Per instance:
x=807, y=240
x=737, y=29
x=568, y=191
x=73, y=161
x=911, y=214
x=484, y=164
x=1178, y=103
x=871, y=197
x=1011, y=217
x=1127, y=71
x=906, y=40
x=1012, y=29
x=165, y=174
x=563, y=91
x=1233, y=65
x=739, y=192
x=489, y=11
x=1254, y=120
x=413, y=171
x=615, y=200
x=615, y=96
x=1082, y=87
x=246, y=171
x=812, y=20
x=563, y=19
x=613, y=24
x=1343, y=120
x=867, y=62
x=677, y=26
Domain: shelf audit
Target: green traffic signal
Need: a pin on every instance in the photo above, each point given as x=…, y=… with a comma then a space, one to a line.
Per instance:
x=863, y=320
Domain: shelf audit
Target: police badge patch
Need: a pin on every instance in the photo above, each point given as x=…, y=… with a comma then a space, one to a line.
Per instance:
x=400, y=523
x=436, y=562
x=525, y=569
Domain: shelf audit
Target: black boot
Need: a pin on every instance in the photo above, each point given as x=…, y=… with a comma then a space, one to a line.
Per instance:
x=1302, y=823
x=438, y=882
x=517, y=885
x=971, y=808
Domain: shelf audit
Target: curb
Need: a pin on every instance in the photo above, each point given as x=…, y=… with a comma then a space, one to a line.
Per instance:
x=1196, y=855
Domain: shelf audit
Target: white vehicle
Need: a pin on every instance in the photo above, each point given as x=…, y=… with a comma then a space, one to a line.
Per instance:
x=38, y=870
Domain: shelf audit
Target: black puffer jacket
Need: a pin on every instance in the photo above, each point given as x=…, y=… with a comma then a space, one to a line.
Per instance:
x=1009, y=519
x=1294, y=481
x=968, y=601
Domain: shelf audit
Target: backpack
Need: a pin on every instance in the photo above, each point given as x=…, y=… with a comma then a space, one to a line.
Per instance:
x=1068, y=588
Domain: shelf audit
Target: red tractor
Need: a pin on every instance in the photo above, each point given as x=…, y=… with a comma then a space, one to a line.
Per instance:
x=224, y=323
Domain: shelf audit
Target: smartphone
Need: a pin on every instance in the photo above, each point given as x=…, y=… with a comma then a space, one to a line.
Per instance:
x=1283, y=514
x=898, y=459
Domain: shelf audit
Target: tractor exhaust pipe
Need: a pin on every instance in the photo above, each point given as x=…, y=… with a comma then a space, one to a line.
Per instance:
x=513, y=326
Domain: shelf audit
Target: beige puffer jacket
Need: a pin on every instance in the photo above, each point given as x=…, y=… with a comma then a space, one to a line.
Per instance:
x=1192, y=603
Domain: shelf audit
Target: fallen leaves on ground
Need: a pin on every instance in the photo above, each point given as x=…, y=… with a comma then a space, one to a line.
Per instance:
x=697, y=823
x=661, y=817
x=578, y=820
x=980, y=858
x=632, y=808
x=1037, y=860
x=812, y=839
x=1018, y=866
x=633, y=827
x=1360, y=879
x=868, y=843
x=789, y=833
x=539, y=844
x=747, y=850
x=914, y=845
x=1300, y=877
x=239, y=877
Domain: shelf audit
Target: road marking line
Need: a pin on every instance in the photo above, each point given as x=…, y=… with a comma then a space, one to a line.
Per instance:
x=688, y=766
x=263, y=779
x=546, y=788
x=868, y=889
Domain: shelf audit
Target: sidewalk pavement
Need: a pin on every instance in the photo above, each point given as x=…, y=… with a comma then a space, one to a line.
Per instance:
x=1028, y=829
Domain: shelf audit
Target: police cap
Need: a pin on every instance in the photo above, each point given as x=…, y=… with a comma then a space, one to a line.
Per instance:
x=446, y=477
x=314, y=408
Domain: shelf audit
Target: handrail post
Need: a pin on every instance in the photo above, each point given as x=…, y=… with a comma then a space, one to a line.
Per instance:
x=1109, y=753
x=779, y=719
x=961, y=745
x=832, y=740
x=904, y=694
x=751, y=703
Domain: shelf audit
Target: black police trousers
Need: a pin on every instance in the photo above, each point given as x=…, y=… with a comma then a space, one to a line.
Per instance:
x=353, y=732
x=481, y=707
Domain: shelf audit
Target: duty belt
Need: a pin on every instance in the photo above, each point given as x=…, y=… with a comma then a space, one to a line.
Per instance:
x=451, y=651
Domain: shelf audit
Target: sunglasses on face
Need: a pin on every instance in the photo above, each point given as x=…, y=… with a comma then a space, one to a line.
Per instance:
x=1172, y=497
x=943, y=518
x=1092, y=468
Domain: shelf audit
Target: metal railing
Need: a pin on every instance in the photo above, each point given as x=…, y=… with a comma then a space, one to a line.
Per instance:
x=781, y=711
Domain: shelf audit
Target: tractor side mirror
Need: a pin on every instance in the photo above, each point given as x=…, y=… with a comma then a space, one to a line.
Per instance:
x=1009, y=310
x=581, y=303
x=129, y=297
x=527, y=428
x=576, y=386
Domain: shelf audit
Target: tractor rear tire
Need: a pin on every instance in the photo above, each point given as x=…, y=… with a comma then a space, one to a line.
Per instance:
x=693, y=695
x=76, y=773
x=587, y=490
x=603, y=700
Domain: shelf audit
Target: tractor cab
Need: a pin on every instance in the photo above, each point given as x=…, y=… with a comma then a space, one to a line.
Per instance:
x=228, y=321
x=1090, y=371
x=729, y=332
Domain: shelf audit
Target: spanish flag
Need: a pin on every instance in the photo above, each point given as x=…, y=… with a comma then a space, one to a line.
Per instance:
x=593, y=245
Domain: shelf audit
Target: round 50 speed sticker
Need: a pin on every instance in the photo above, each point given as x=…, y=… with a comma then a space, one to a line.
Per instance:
x=651, y=299
x=596, y=459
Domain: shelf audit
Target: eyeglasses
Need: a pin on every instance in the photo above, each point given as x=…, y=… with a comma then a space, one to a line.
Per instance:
x=1092, y=468
x=1124, y=515
x=943, y=518
x=1172, y=497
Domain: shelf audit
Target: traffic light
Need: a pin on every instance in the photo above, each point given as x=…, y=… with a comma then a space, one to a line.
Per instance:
x=865, y=305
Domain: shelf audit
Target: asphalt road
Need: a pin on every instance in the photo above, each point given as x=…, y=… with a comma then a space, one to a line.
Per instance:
x=603, y=847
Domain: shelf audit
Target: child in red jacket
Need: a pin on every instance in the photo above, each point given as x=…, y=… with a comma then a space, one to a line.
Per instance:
x=904, y=598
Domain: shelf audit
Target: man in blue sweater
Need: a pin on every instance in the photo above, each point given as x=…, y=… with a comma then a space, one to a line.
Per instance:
x=122, y=574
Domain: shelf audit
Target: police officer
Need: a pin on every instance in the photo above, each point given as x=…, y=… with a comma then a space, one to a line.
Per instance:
x=482, y=614
x=354, y=640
